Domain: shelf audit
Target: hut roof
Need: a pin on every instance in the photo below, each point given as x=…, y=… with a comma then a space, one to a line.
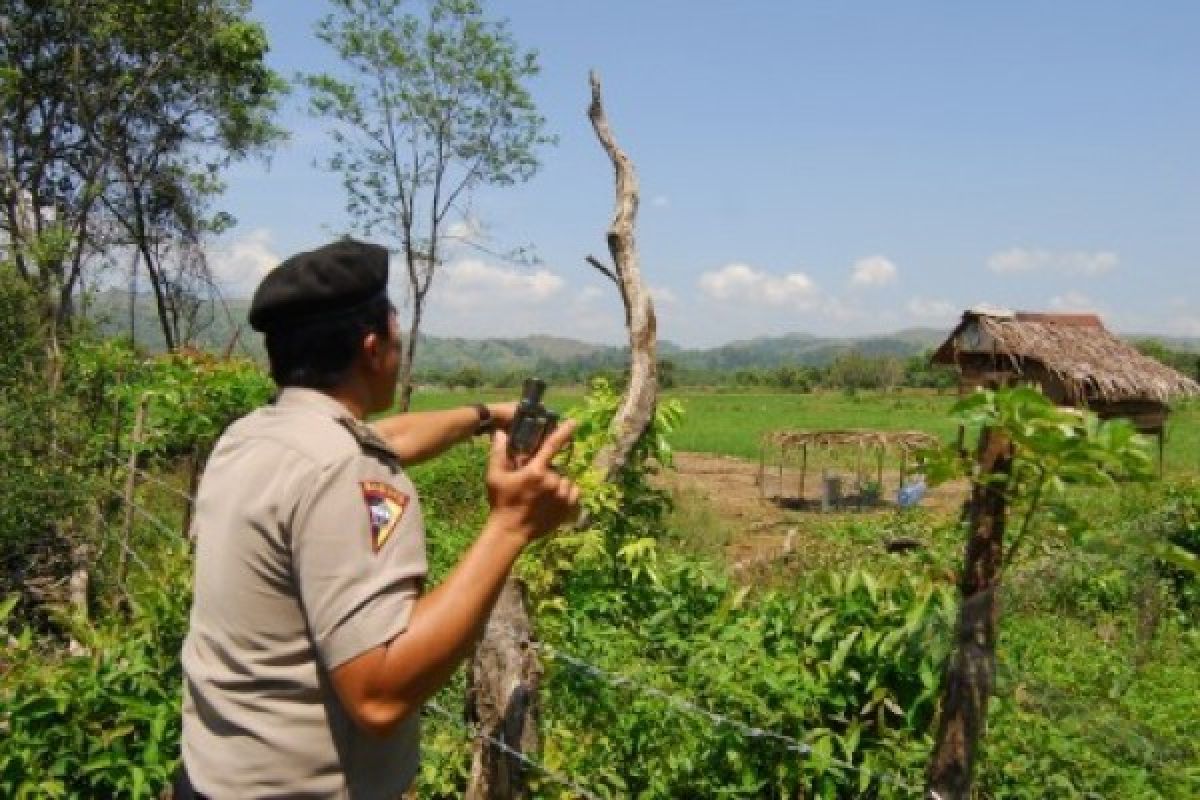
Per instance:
x=1075, y=348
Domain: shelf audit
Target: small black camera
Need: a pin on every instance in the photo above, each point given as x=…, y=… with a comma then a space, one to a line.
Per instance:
x=532, y=420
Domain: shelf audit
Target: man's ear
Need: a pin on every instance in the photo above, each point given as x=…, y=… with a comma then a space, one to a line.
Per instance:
x=373, y=348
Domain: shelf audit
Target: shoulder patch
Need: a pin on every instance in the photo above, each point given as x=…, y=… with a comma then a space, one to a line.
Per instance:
x=385, y=507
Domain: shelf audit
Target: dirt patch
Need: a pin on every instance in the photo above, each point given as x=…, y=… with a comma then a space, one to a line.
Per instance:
x=760, y=521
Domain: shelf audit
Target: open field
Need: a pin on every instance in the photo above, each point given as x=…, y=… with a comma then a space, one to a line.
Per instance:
x=731, y=423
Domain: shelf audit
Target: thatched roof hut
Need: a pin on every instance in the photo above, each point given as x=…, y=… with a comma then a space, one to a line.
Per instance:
x=1073, y=357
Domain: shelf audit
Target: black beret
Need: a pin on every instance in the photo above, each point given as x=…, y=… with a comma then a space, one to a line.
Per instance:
x=320, y=283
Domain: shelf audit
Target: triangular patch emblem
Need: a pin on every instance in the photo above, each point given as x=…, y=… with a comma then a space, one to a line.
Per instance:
x=385, y=507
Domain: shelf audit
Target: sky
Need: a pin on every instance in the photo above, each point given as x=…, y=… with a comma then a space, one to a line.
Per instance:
x=831, y=168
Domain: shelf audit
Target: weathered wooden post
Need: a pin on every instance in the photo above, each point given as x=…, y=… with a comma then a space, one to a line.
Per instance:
x=803, y=470
x=971, y=669
x=502, y=699
x=135, y=446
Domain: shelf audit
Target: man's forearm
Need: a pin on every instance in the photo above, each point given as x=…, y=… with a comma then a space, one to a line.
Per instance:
x=384, y=686
x=418, y=436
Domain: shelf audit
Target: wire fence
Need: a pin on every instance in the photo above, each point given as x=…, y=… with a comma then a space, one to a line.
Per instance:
x=474, y=732
x=575, y=663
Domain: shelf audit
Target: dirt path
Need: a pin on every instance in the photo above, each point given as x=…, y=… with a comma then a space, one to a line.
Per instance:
x=760, y=526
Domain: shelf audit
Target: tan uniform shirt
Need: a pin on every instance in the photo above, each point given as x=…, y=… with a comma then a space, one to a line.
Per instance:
x=310, y=550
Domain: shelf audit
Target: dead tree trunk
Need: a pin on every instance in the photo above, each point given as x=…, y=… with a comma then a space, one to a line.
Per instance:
x=502, y=700
x=502, y=693
x=971, y=669
x=637, y=407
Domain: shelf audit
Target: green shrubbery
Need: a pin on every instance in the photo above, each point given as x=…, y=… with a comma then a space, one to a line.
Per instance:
x=105, y=723
x=845, y=661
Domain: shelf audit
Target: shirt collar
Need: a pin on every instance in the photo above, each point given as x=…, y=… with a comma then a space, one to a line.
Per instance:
x=298, y=397
x=316, y=400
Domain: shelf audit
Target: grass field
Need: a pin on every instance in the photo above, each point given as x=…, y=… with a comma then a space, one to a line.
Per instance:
x=732, y=423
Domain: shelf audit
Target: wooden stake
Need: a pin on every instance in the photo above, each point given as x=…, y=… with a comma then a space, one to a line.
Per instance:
x=502, y=699
x=803, y=470
x=971, y=668
x=139, y=421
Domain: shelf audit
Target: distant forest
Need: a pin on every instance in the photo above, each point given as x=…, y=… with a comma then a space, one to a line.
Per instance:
x=795, y=362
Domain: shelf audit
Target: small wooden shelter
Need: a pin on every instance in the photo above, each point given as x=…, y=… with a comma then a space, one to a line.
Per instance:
x=1072, y=357
x=866, y=446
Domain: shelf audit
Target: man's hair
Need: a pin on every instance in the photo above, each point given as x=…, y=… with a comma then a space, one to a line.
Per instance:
x=318, y=354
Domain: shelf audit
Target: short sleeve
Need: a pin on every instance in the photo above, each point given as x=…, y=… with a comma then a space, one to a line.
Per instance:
x=358, y=552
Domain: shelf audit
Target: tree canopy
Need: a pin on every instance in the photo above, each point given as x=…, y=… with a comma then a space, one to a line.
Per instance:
x=432, y=105
x=117, y=119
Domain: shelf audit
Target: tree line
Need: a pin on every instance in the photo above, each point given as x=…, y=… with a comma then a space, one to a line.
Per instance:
x=851, y=370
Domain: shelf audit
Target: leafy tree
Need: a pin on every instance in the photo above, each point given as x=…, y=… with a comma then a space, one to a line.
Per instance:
x=853, y=370
x=115, y=121
x=1187, y=363
x=434, y=106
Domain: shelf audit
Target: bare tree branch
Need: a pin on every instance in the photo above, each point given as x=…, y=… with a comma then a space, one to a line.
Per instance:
x=612, y=276
x=637, y=406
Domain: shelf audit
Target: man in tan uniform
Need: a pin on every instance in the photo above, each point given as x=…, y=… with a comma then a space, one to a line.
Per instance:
x=311, y=646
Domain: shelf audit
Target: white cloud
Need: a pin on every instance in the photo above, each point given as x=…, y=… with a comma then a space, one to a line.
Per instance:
x=1072, y=301
x=660, y=201
x=470, y=284
x=663, y=296
x=1071, y=262
x=743, y=283
x=469, y=229
x=241, y=263
x=1186, y=326
x=838, y=310
x=931, y=309
x=589, y=293
x=873, y=271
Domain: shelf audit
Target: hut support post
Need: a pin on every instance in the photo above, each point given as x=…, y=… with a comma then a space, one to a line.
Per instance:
x=1161, y=451
x=882, y=452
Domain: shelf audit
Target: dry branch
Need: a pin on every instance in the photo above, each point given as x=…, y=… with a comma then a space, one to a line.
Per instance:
x=637, y=406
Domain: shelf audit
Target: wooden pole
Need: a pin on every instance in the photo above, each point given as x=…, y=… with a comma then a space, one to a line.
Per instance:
x=971, y=667
x=882, y=451
x=781, y=472
x=762, y=469
x=1161, y=450
x=135, y=445
x=803, y=470
x=502, y=699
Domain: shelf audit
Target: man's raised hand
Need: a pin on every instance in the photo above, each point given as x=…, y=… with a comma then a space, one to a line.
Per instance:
x=531, y=499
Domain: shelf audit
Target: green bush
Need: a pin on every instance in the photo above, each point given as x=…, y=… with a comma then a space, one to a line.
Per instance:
x=104, y=724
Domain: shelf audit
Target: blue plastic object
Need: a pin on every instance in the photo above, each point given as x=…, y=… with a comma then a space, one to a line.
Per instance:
x=910, y=494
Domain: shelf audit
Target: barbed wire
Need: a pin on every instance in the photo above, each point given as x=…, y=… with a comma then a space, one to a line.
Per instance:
x=138, y=509
x=150, y=477
x=475, y=732
x=620, y=680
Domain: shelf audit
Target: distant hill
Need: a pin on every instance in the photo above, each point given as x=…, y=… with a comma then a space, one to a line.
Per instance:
x=110, y=312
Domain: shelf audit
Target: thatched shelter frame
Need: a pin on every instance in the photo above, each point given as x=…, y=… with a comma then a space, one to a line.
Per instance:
x=878, y=443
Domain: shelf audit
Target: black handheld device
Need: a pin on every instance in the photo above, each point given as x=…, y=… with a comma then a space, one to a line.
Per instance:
x=532, y=420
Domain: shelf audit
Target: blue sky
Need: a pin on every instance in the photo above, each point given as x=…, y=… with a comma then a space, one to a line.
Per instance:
x=833, y=168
